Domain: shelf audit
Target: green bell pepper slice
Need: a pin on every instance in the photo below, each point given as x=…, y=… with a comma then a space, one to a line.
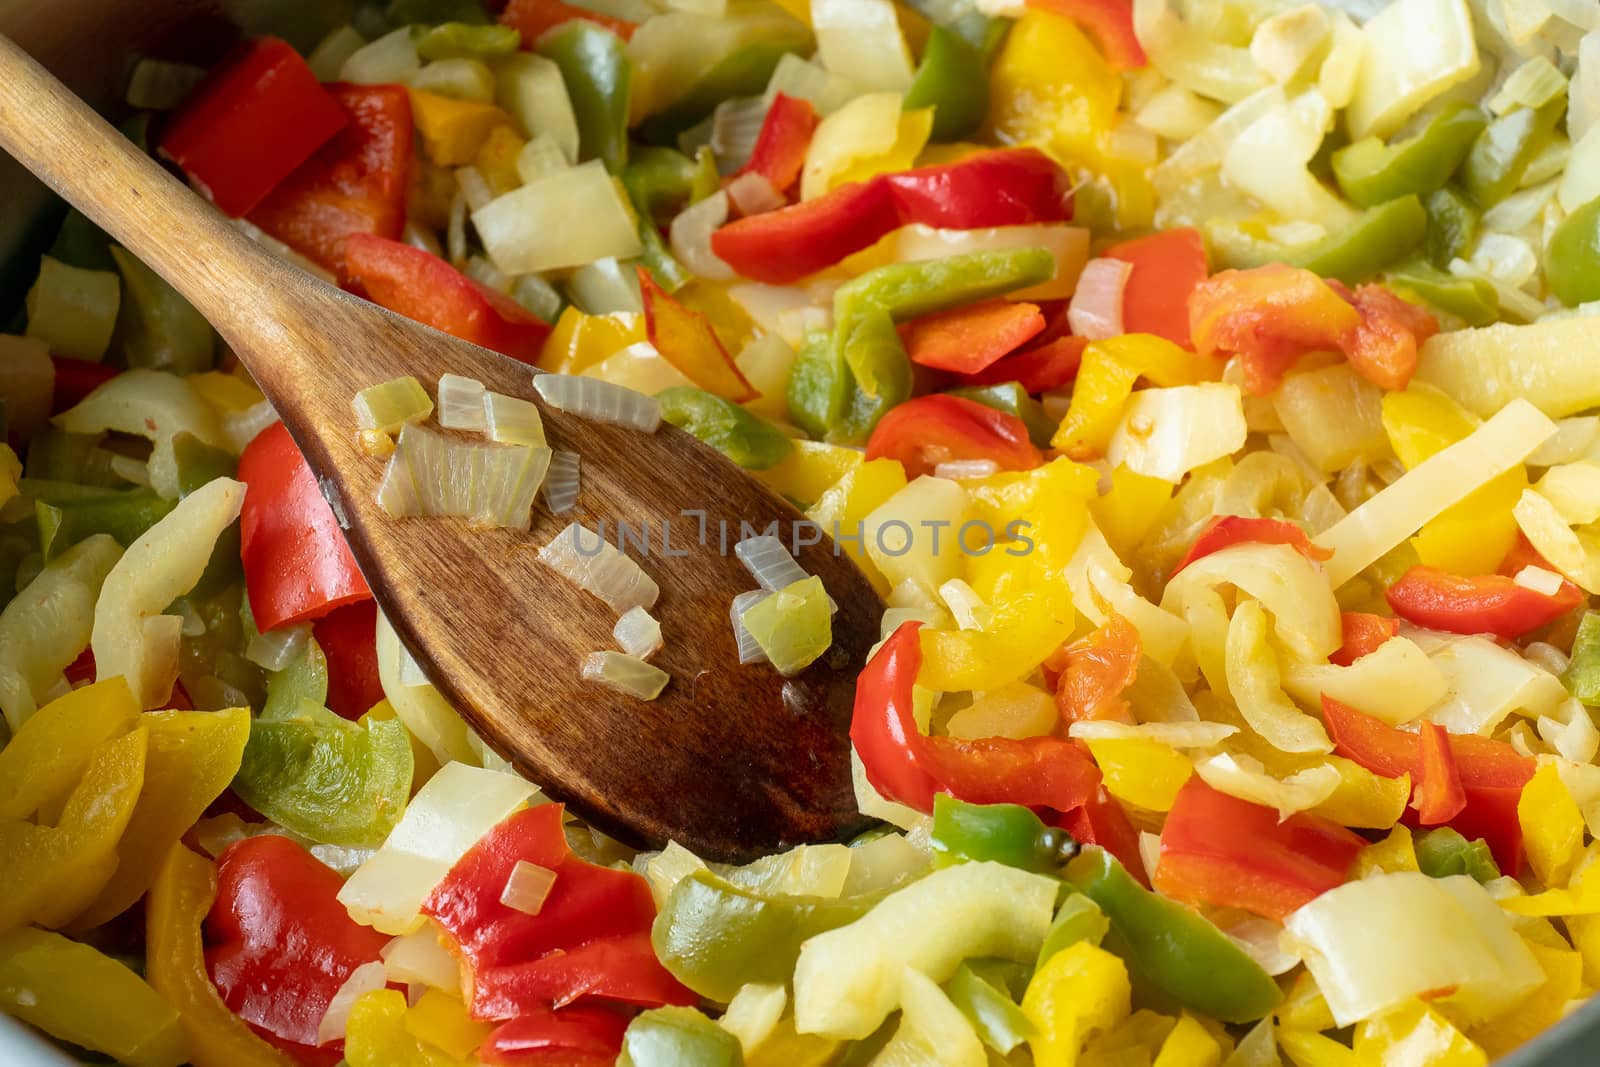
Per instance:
x=1502, y=152
x=822, y=393
x=1380, y=236
x=199, y=463
x=1572, y=258
x=594, y=64
x=123, y=515
x=994, y=1015
x=1452, y=225
x=964, y=19
x=327, y=778
x=460, y=40
x=743, y=72
x=659, y=182
x=1582, y=676
x=714, y=936
x=1013, y=399
x=1443, y=852
x=157, y=327
x=1370, y=172
x=953, y=80
x=666, y=1037
x=1472, y=300
x=1077, y=919
x=1173, y=947
x=751, y=442
x=707, y=180
x=1005, y=833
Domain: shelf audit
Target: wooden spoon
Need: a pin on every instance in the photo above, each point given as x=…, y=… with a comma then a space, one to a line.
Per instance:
x=731, y=761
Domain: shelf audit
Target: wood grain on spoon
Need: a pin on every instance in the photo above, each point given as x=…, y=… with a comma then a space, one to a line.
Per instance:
x=731, y=761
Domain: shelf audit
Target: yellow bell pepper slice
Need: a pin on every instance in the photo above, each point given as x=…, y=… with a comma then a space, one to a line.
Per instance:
x=179, y=900
x=1563, y=971
x=1585, y=933
x=1189, y=1045
x=579, y=341
x=227, y=393
x=1552, y=826
x=452, y=131
x=496, y=159
x=1474, y=535
x=193, y=756
x=1128, y=513
x=1031, y=617
x=1394, y=853
x=1581, y=898
x=10, y=471
x=376, y=1035
x=911, y=134
x=1305, y=1008
x=1144, y=773
x=440, y=1020
x=1416, y=1034
x=1079, y=992
x=843, y=505
x=1050, y=86
x=49, y=874
x=79, y=994
x=1106, y=379
x=1307, y=1048
x=46, y=757
x=1363, y=798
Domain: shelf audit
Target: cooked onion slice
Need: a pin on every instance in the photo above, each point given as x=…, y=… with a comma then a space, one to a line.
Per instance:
x=768, y=562
x=625, y=674
x=389, y=405
x=363, y=980
x=561, y=483
x=1096, y=309
x=591, y=398
x=638, y=633
x=750, y=650
x=527, y=887
x=512, y=420
x=461, y=403
x=486, y=484
x=599, y=567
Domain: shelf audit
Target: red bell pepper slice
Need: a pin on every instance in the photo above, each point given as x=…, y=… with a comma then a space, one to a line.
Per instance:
x=929, y=430
x=297, y=566
x=281, y=944
x=579, y=1036
x=76, y=379
x=780, y=151
x=1166, y=268
x=1040, y=369
x=1226, y=852
x=590, y=938
x=1438, y=796
x=686, y=340
x=534, y=18
x=1363, y=633
x=254, y=119
x=1225, y=531
x=1094, y=671
x=906, y=765
x=348, y=638
x=1383, y=348
x=1102, y=821
x=1482, y=604
x=1109, y=22
x=419, y=285
x=355, y=183
x=1492, y=774
x=967, y=340
x=1005, y=187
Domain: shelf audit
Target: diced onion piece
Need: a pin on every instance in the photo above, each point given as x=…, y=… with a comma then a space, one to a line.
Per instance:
x=756, y=1008
x=73, y=309
x=958, y=469
x=768, y=562
x=753, y=194
x=599, y=567
x=530, y=229
x=461, y=403
x=792, y=625
x=156, y=84
x=537, y=295
x=1539, y=580
x=419, y=959
x=1166, y=433
x=1484, y=682
x=1268, y=160
x=966, y=606
x=487, y=484
x=1506, y=261
x=1376, y=942
x=390, y=59
x=363, y=980
x=735, y=126
x=1175, y=113
x=861, y=39
x=474, y=187
x=487, y=274
x=129, y=469
x=605, y=287
x=455, y=230
x=329, y=55
x=561, y=483
x=1532, y=85
x=690, y=237
x=1284, y=44
x=1395, y=682
x=625, y=674
x=750, y=650
x=1399, y=510
x=591, y=399
x=273, y=650
x=527, y=887
x=241, y=427
x=391, y=404
x=540, y=158
x=531, y=88
x=1416, y=49
x=1096, y=308
x=421, y=237
x=637, y=633
x=512, y=420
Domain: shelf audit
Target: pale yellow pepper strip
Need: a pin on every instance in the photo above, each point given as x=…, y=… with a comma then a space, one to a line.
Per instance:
x=1552, y=826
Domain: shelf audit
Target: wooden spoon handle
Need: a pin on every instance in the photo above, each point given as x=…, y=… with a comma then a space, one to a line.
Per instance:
x=81, y=156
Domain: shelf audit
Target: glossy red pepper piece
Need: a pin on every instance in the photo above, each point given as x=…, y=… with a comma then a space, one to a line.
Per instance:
x=1095, y=670
x=1040, y=369
x=281, y=944
x=591, y=937
x=76, y=379
x=419, y=285
x=1102, y=821
x=1166, y=268
x=1438, y=796
x=1482, y=604
x=256, y=117
x=929, y=430
x=355, y=183
x=967, y=340
x=780, y=151
x=348, y=638
x=1109, y=22
x=906, y=765
x=579, y=1036
x=297, y=567
x=1383, y=349
x=1226, y=852
x=1363, y=633
x=1005, y=187
x=1225, y=531
x=534, y=18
